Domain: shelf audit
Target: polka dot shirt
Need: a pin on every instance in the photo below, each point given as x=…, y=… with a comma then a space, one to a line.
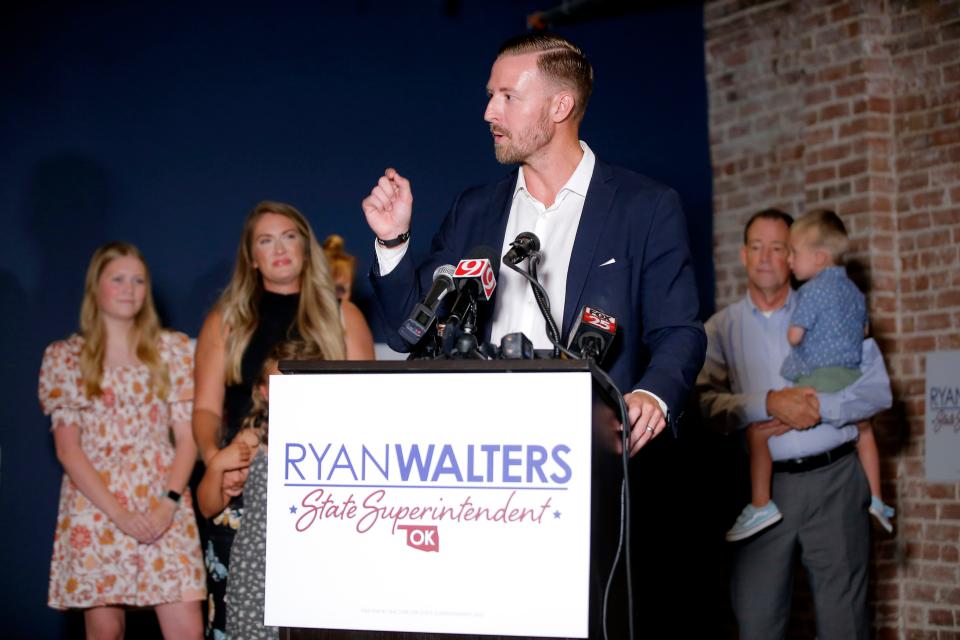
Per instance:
x=834, y=312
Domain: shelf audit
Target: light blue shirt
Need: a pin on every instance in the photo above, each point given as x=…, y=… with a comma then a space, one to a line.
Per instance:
x=745, y=349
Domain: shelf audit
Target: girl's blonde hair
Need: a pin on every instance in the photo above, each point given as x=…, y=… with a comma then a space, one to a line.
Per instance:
x=258, y=418
x=318, y=316
x=146, y=325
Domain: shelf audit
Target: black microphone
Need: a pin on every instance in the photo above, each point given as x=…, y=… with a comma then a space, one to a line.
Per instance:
x=476, y=280
x=423, y=315
x=525, y=244
x=593, y=333
x=516, y=346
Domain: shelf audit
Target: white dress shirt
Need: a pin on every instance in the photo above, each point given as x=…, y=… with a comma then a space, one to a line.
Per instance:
x=556, y=227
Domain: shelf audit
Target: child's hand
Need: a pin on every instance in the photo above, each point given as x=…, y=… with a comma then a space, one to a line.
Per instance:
x=795, y=335
x=235, y=455
x=769, y=428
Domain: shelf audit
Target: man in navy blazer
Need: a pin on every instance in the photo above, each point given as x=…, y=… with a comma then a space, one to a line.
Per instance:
x=612, y=239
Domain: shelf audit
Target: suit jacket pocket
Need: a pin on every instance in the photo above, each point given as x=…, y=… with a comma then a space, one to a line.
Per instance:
x=608, y=288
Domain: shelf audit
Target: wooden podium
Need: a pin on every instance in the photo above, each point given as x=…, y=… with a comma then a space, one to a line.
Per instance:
x=511, y=464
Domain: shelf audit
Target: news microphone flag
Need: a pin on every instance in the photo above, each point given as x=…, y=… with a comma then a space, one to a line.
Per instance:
x=479, y=269
x=593, y=333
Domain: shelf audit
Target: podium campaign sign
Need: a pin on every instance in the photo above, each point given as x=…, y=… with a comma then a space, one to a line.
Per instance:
x=430, y=502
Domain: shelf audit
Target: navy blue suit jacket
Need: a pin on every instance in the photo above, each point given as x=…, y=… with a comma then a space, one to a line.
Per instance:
x=649, y=287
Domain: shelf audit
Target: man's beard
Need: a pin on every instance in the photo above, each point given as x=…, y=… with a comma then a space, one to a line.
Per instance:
x=516, y=150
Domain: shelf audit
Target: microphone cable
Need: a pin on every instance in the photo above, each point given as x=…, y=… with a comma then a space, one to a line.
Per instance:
x=543, y=302
x=623, y=542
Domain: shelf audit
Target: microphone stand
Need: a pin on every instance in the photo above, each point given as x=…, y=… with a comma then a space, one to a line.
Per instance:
x=459, y=338
x=466, y=342
x=543, y=302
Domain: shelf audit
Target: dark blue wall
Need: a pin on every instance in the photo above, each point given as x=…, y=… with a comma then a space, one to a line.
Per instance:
x=164, y=125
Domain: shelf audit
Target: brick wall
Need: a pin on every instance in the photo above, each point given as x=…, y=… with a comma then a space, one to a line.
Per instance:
x=855, y=106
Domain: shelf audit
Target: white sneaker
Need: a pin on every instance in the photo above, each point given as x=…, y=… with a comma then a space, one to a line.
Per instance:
x=752, y=521
x=881, y=513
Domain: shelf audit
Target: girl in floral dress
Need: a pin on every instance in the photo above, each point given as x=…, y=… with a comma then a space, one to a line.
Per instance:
x=116, y=392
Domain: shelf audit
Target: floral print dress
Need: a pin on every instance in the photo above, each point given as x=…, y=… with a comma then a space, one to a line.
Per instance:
x=125, y=433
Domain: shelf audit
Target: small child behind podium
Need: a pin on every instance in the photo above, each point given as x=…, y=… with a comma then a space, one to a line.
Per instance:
x=826, y=335
x=245, y=585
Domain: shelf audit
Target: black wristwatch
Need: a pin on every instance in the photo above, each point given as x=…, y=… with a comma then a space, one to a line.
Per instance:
x=394, y=242
x=173, y=495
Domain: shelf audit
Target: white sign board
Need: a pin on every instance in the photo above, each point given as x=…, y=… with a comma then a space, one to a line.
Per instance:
x=943, y=416
x=430, y=502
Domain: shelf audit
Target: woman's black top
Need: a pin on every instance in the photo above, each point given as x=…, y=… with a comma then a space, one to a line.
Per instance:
x=277, y=323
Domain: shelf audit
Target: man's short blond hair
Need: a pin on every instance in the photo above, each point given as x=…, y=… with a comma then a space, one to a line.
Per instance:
x=830, y=232
x=560, y=61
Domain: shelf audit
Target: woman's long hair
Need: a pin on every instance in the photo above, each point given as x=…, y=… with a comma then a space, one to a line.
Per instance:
x=146, y=325
x=258, y=418
x=318, y=316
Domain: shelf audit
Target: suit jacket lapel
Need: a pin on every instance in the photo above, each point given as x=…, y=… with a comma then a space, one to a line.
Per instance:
x=593, y=220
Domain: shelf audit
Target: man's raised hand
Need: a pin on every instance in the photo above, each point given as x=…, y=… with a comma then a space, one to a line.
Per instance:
x=389, y=206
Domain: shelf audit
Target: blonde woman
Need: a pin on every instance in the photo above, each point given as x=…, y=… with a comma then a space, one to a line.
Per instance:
x=126, y=534
x=281, y=289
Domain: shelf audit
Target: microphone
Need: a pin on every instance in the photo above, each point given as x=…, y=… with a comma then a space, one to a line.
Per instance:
x=593, y=333
x=525, y=244
x=516, y=346
x=476, y=280
x=423, y=315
